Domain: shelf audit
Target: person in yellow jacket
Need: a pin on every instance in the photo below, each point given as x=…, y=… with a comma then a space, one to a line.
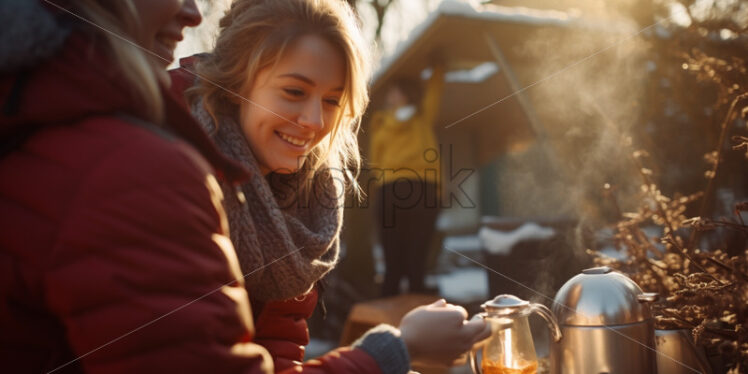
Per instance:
x=404, y=158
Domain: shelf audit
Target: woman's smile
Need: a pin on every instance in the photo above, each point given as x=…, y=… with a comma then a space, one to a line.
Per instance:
x=294, y=141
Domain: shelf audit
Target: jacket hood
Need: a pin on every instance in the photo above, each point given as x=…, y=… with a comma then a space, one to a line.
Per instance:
x=67, y=77
x=29, y=34
x=74, y=83
x=48, y=73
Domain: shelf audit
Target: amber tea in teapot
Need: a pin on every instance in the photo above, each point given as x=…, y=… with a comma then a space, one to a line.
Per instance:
x=510, y=349
x=494, y=367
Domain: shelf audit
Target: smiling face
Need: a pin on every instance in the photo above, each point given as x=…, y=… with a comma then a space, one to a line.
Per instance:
x=294, y=104
x=161, y=25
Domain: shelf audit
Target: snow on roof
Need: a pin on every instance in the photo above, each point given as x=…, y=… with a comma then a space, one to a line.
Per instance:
x=497, y=13
x=477, y=74
x=504, y=13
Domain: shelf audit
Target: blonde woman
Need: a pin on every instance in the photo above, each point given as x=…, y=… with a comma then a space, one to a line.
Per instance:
x=112, y=237
x=283, y=93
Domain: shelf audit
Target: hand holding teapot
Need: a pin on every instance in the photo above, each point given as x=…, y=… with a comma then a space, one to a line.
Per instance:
x=438, y=334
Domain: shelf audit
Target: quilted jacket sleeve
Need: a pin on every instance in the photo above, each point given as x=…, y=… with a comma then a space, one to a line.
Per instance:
x=143, y=276
x=281, y=327
x=340, y=361
x=282, y=330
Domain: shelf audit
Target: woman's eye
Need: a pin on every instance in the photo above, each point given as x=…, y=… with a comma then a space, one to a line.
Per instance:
x=295, y=92
x=333, y=101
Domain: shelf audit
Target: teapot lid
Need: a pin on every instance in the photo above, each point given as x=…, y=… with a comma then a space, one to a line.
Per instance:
x=505, y=304
x=600, y=297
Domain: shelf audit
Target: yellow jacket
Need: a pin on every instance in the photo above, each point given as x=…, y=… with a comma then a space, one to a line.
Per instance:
x=408, y=149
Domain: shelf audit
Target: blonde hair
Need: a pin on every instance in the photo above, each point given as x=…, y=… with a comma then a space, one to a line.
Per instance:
x=121, y=20
x=254, y=35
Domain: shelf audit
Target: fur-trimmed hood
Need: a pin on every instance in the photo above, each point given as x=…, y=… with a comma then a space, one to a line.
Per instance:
x=30, y=33
x=51, y=74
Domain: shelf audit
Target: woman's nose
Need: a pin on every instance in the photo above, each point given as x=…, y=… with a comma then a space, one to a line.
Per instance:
x=311, y=116
x=190, y=14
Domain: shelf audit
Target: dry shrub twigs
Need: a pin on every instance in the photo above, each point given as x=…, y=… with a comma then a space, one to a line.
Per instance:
x=703, y=289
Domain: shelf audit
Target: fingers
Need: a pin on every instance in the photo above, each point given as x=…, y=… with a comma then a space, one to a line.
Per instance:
x=459, y=309
x=478, y=329
x=425, y=343
x=439, y=303
x=458, y=313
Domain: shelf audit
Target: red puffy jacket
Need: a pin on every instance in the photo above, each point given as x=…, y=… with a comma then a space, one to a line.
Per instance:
x=112, y=238
x=113, y=248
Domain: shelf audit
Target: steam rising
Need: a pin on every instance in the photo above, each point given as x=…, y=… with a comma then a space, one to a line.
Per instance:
x=587, y=113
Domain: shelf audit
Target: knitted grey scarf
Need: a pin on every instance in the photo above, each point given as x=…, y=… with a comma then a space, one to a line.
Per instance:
x=285, y=240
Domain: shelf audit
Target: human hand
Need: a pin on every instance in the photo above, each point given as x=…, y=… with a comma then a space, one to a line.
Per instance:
x=438, y=334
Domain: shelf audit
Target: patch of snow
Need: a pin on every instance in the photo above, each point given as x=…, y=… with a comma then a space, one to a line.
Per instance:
x=499, y=14
x=464, y=285
x=526, y=15
x=463, y=243
x=475, y=75
x=456, y=7
x=501, y=243
x=505, y=13
x=404, y=113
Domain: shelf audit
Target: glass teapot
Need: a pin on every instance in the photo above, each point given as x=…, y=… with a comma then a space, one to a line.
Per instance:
x=510, y=349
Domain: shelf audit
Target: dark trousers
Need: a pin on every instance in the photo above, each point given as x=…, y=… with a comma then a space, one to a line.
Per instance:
x=406, y=216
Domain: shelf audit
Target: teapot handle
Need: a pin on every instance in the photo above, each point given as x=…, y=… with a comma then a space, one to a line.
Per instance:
x=549, y=319
x=474, y=365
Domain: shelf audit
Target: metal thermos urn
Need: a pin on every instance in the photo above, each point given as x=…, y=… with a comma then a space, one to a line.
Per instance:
x=606, y=326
